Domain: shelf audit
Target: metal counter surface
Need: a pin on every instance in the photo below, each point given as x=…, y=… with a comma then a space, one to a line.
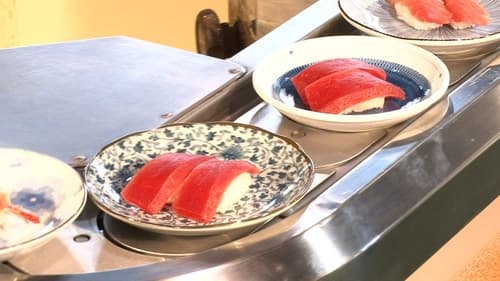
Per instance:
x=356, y=210
x=98, y=90
x=350, y=209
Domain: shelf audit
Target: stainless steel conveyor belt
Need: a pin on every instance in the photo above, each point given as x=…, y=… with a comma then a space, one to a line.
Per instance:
x=361, y=195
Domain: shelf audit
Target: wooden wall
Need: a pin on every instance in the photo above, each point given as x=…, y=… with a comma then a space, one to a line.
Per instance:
x=27, y=22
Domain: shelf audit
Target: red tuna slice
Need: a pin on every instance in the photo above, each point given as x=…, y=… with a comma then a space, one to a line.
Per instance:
x=323, y=68
x=150, y=188
x=204, y=188
x=339, y=91
x=430, y=11
x=466, y=13
x=174, y=182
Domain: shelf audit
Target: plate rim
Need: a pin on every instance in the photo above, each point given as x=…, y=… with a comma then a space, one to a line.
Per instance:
x=199, y=230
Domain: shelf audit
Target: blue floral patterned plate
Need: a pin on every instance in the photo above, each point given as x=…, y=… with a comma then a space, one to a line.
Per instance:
x=285, y=177
x=40, y=185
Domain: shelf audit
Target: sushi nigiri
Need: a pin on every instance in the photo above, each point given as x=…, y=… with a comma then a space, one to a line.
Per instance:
x=350, y=91
x=422, y=14
x=204, y=189
x=320, y=69
x=466, y=13
x=159, y=180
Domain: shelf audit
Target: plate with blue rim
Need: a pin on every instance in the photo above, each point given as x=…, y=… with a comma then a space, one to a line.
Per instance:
x=379, y=18
x=422, y=75
x=43, y=187
x=286, y=174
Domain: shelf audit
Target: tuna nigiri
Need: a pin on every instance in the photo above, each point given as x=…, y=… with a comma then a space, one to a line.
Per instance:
x=466, y=13
x=159, y=180
x=422, y=14
x=350, y=91
x=204, y=188
x=320, y=69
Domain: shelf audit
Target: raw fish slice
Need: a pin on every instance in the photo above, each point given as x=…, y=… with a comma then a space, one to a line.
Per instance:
x=204, y=188
x=6, y=206
x=146, y=189
x=320, y=69
x=351, y=90
x=466, y=13
x=422, y=14
x=173, y=183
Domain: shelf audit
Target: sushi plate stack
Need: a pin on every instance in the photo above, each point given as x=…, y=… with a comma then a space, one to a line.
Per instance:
x=379, y=18
x=423, y=76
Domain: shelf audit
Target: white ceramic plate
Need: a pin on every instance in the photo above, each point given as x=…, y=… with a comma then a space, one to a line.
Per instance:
x=378, y=18
x=401, y=59
x=42, y=185
x=287, y=172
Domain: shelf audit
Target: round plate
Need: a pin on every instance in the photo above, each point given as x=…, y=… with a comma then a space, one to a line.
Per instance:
x=42, y=185
x=286, y=175
x=378, y=18
x=422, y=75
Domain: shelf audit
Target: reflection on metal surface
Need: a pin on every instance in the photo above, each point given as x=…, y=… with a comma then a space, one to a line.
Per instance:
x=151, y=243
x=479, y=82
x=328, y=149
x=459, y=69
x=426, y=121
x=326, y=250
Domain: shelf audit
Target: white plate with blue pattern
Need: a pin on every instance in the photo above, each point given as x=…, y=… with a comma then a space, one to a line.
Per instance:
x=286, y=174
x=43, y=186
x=378, y=18
x=421, y=74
